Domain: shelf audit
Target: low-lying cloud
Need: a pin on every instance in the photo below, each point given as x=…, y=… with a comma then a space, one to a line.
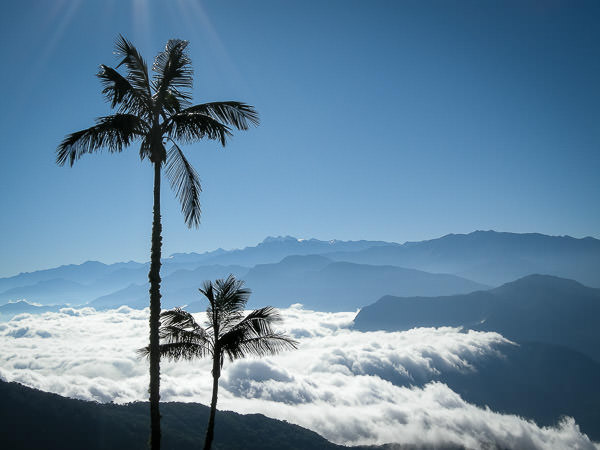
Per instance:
x=351, y=387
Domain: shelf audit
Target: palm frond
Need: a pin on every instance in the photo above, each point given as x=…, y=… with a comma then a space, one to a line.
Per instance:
x=232, y=296
x=208, y=290
x=177, y=351
x=236, y=346
x=227, y=298
x=146, y=147
x=255, y=336
x=258, y=323
x=179, y=317
x=186, y=184
x=237, y=114
x=143, y=352
x=137, y=69
x=111, y=132
x=173, y=334
x=191, y=127
x=212, y=311
x=174, y=75
x=260, y=320
x=181, y=336
x=172, y=102
x=119, y=91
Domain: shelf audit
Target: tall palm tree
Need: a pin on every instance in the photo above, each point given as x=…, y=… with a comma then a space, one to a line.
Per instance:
x=227, y=333
x=157, y=112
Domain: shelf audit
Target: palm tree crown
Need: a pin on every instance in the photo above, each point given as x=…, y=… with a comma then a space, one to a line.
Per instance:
x=227, y=333
x=157, y=112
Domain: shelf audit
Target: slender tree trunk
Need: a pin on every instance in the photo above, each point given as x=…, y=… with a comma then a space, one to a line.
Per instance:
x=154, y=278
x=213, y=403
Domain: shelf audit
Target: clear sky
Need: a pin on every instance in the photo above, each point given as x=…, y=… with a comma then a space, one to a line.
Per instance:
x=392, y=120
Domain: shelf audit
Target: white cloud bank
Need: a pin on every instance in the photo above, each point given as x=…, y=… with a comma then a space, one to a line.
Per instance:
x=334, y=384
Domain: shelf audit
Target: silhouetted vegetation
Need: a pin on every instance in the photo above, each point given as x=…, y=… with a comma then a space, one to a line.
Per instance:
x=228, y=334
x=32, y=419
x=155, y=112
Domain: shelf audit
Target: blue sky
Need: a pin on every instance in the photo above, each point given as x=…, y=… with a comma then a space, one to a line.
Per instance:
x=380, y=120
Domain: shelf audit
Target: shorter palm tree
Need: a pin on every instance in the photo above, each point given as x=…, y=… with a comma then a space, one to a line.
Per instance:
x=227, y=333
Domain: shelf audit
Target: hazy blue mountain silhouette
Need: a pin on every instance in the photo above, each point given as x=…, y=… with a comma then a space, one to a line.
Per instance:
x=274, y=249
x=490, y=257
x=132, y=296
x=75, y=284
x=321, y=284
x=30, y=419
x=193, y=257
x=100, y=280
x=536, y=308
x=44, y=291
x=9, y=310
x=313, y=280
x=179, y=288
x=88, y=272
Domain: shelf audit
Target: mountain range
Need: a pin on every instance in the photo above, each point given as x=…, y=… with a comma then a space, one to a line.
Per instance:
x=491, y=257
x=315, y=281
x=348, y=274
x=324, y=285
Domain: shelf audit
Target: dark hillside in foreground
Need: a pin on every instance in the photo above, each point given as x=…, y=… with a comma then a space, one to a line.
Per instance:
x=32, y=419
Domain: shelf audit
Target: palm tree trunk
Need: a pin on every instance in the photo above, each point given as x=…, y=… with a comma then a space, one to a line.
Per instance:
x=213, y=403
x=154, y=278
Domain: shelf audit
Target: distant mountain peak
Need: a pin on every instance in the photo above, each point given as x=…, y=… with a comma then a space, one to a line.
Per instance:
x=487, y=233
x=292, y=239
x=21, y=302
x=543, y=282
x=274, y=239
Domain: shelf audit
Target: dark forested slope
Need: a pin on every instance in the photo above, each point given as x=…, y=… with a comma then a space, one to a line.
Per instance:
x=32, y=419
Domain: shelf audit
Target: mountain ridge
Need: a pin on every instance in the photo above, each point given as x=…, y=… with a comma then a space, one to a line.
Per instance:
x=488, y=258
x=269, y=239
x=536, y=308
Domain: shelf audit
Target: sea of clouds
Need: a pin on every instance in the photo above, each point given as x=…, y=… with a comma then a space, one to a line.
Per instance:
x=351, y=387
